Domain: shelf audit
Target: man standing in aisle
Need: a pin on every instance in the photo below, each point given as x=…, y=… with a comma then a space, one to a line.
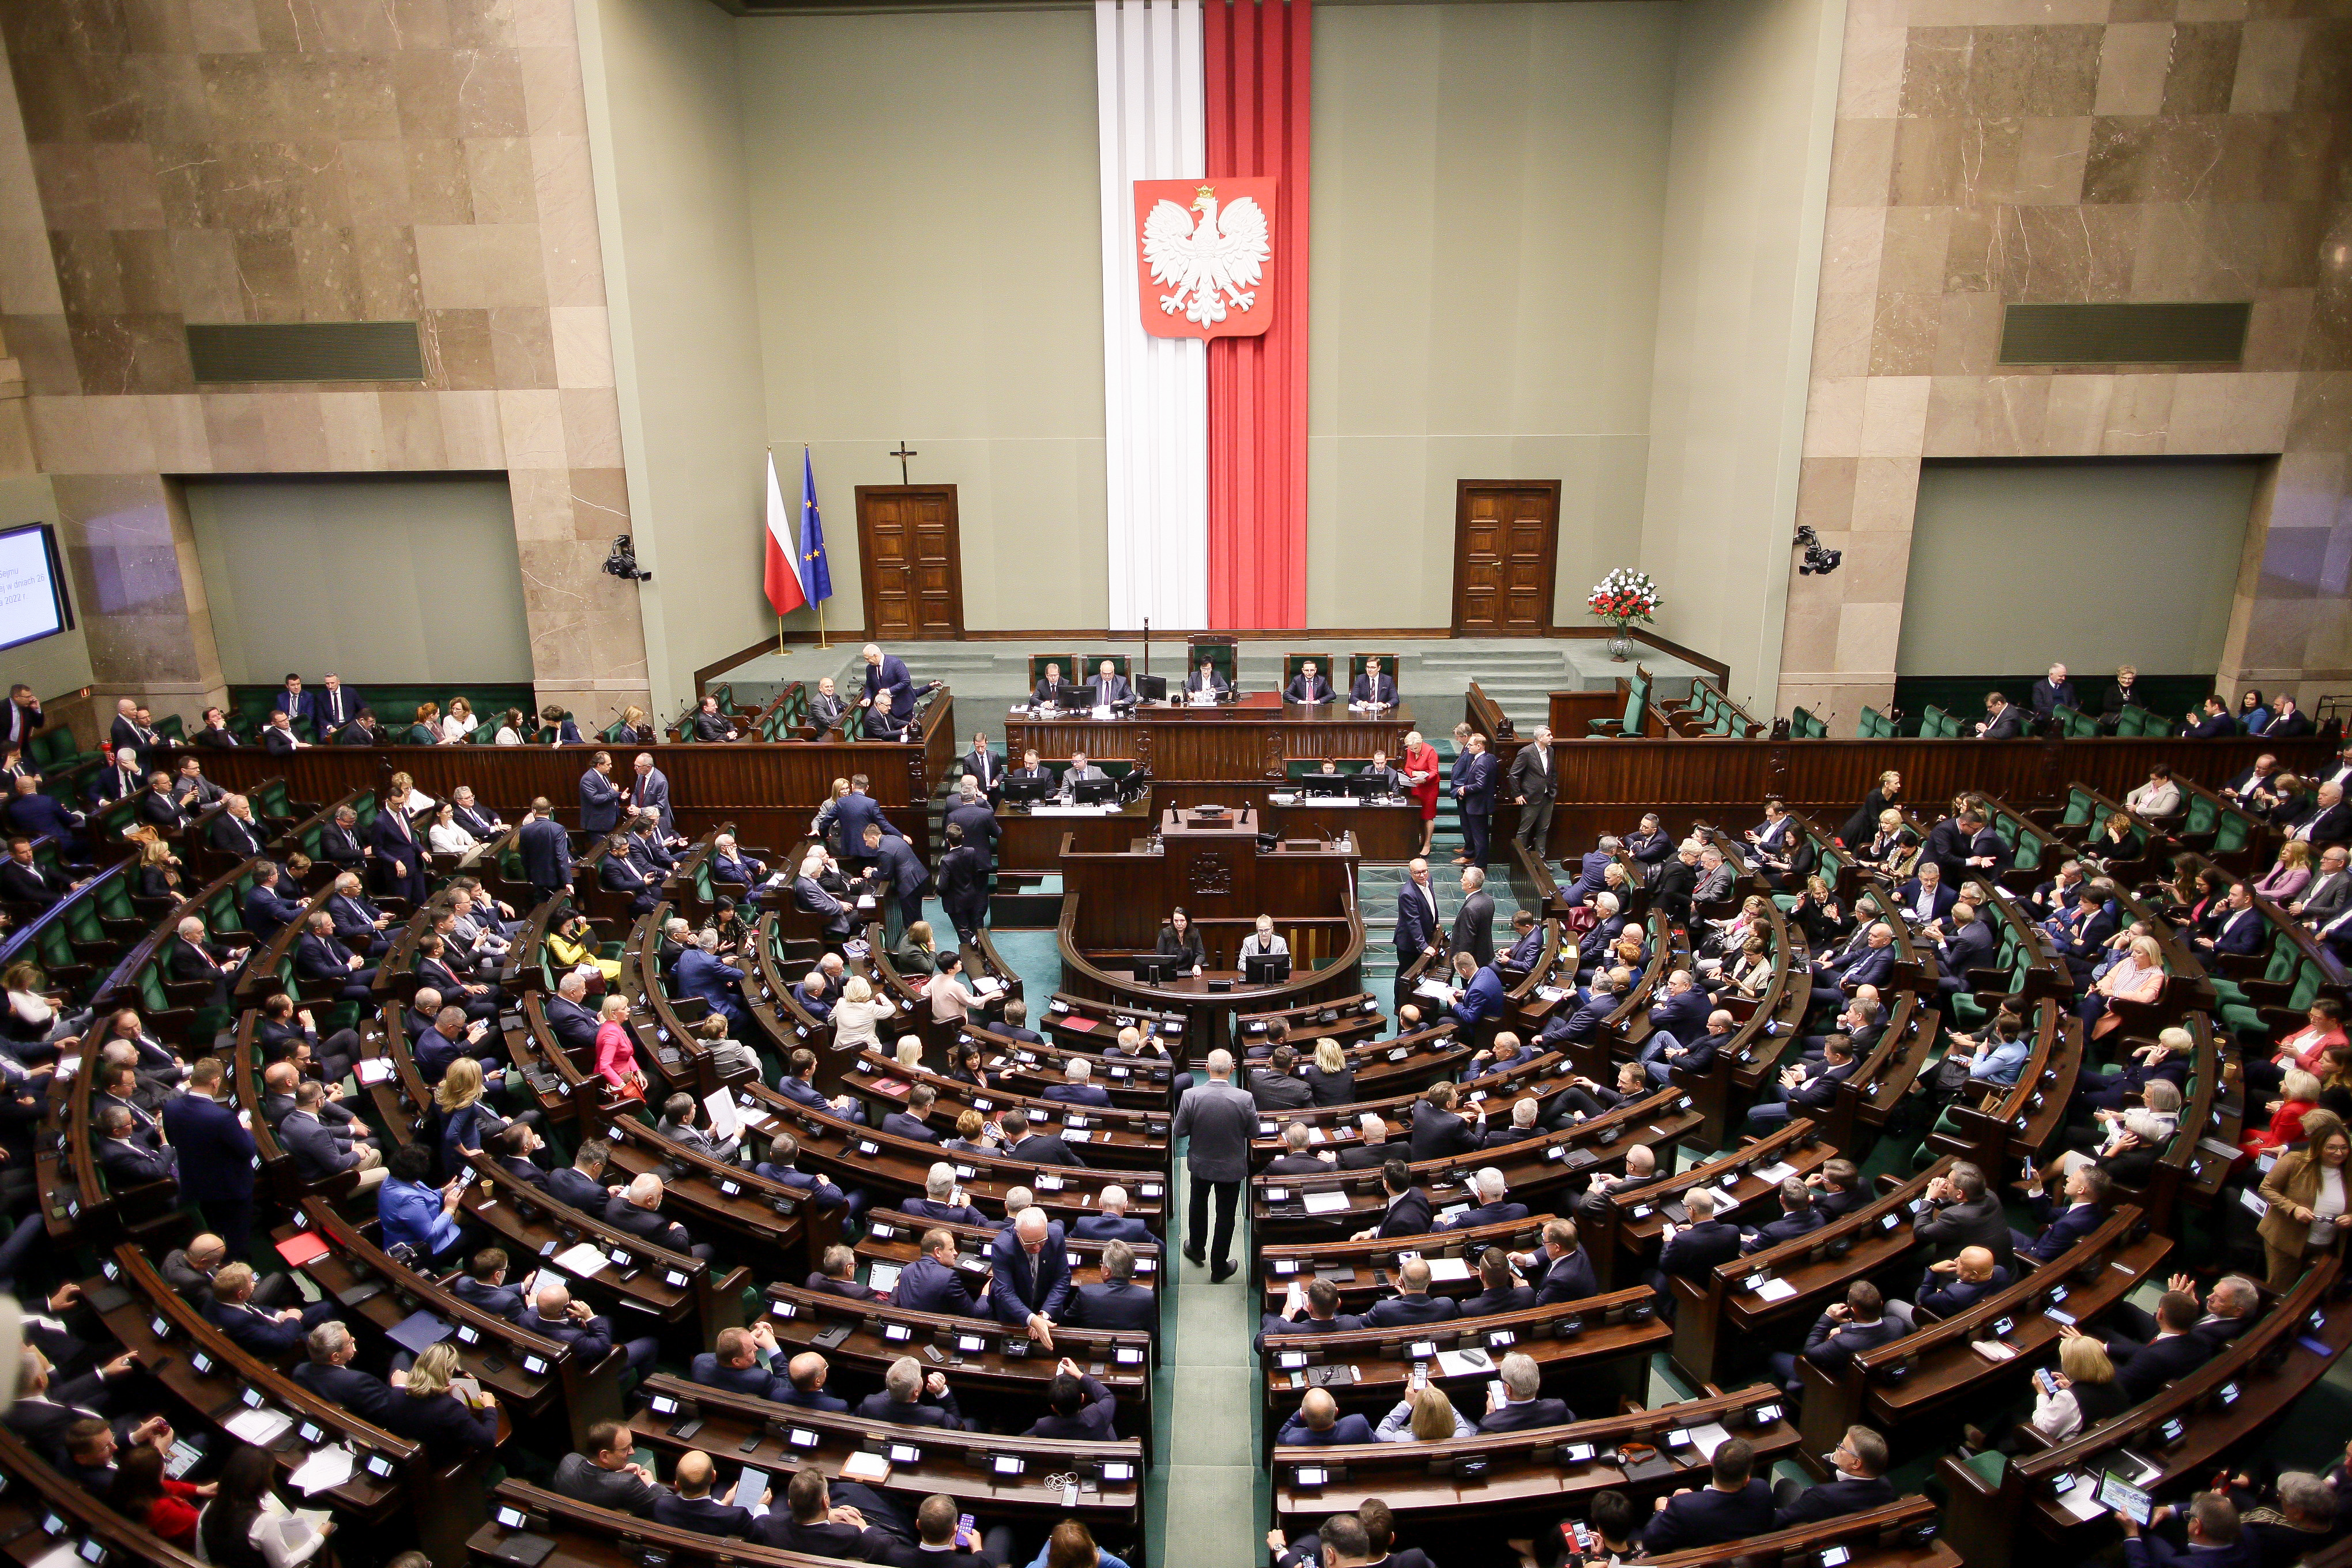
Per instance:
x=1221, y=1121
x=1535, y=784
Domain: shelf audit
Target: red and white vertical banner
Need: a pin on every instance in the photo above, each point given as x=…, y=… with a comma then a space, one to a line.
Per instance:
x=1155, y=387
x=1204, y=110
x=1259, y=71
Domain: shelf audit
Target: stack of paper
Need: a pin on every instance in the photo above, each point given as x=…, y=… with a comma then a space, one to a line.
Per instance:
x=1326, y=1202
x=325, y=1468
x=259, y=1428
x=582, y=1260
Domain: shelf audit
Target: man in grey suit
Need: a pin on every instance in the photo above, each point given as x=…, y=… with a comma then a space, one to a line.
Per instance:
x=1535, y=784
x=321, y=1152
x=1079, y=768
x=650, y=792
x=1473, y=922
x=1221, y=1121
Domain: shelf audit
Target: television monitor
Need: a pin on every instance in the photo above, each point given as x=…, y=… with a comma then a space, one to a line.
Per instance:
x=1157, y=968
x=1325, y=784
x=1367, y=787
x=1151, y=687
x=1094, y=792
x=1266, y=968
x=32, y=585
x=1027, y=790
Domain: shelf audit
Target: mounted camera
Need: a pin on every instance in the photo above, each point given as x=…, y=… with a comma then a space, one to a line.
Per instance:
x=623, y=563
x=1818, y=562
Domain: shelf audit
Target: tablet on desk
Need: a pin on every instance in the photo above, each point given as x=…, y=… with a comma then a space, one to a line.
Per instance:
x=2116, y=1493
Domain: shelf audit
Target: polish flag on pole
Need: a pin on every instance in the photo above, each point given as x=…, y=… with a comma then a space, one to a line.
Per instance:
x=786, y=590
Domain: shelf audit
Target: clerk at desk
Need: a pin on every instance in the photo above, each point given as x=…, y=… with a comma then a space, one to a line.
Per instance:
x=1030, y=768
x=1206, y=678
x=1053, y=691
x=1373, y=688
x=1110, y=687
x=1307, y=686
x=1079, y=768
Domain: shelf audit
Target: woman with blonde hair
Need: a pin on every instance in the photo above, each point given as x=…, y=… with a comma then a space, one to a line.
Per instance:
x=856, y=1014
x=1428, y=1416
x=33, y=1020
x=1329, y=1079
x=1872, y=810
x=429, y=1409
x=639, y=726
x=403, y=788
x=2282, y=881
x=909, y=1053
x=2310, y=1209
x=616, y=1053
x=821, y=826
x=2139, y=978
x=467, y=1123
x=969, y=1126
x=1421, y=768
x=2086, y=1391
x=728, y=1054
x=2291, y=1114
x=459, y=723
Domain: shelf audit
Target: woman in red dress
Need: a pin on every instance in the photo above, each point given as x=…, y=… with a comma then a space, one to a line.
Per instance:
x=1421, y=769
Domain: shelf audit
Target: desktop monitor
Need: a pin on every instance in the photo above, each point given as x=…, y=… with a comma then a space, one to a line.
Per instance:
x=1151, y=687
x=1157, y=968
x=1324, y=785
x=1028, y=790
x=1079, y=698
x=1367, y=787
x=1266, y=968
x=1094, y=792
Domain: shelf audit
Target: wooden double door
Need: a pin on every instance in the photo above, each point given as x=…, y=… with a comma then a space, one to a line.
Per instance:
x=1506, y=555
x=911, y=561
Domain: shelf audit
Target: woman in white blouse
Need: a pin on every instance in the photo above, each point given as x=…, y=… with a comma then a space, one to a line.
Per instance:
x=246, y=1526
x=446, y=837
x=854, y=1015
x=511, y=729
x=1427, y=1417
x=459, y=721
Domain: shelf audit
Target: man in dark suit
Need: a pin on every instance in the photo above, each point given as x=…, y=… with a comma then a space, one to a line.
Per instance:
x=1372, y=689
x=2002, y=720
x=1683, y=1012
x=215, y=1155
x=1499, y=1288
x=1475, y=776
x=581, y=1183
x=1207, y=678
x=362, y=731
x=599, y=797
x=399, y=858
x=318, y=956
x=933, y=1283
x=1859, y=1482
x=2243, y=928
x=649, y=792
x=1408, y=1211
x=895, y=871
x=123, y=780
x=2173, y=1354
x=2212, y=724
x=1438, y=1130
x=637, y=1210
x=1858, y=1324
x=811, y=1522
x=1275, y=1086
x=24, y=717
x=1079, y=1408
x=1677, y=882
x=268, y=1335
x=984, y=768
x=1798, y=1218
x=131, y=732
x=1412, y=1305
x=2053, y=691
x=129, y=1160
x=825, y=708
x=332, y=707
x=1053, y=691
x=1473, y=922
x=1535, y=783
x=1693, y=1249
x=1307, y=686
x=2086, y=1193
x=1873, y=964
x=855, y=812
x=24, y=880
x=1417, y=919
x=890, y=697
x=329, y=1373
x=1318, y=1424
x=1108, y=688
x=1968, y=943
x=1118, y=1303
x=1560, y=1270
x=688, y=1505
x=912, y=1399
x=1310, y=1308
x=1029, y=1279
x=1736, y=1505
x=554, y=1315
x=1516, y=1406
x=278, y=736
x=484, y=1285
x=1025, y=1141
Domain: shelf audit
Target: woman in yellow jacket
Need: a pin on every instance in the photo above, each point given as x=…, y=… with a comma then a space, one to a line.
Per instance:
x=2310, y=1206
x=573, y=943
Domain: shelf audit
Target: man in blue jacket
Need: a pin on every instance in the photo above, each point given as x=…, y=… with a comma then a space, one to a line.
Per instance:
x=1737, y=1505
x=1028, y=1280
x=546, y=850
x=556, y=1316
x=270, y=1336
x=894, y=870
x=329, y=1373
x=1318, y=1424
x=933, y=1283
x=1859, y=1484
x=1871, y=965
x=1118, y=1303
x=701, y=973
x=1109, y=1221
x=599, y=797
x=216, y=1154
x=484, y=1285
x=1479, y=992
x=1474, y=776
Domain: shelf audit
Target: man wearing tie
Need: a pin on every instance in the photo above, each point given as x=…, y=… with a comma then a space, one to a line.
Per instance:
x=1416, y=921
x=332, y=707
x=890, y=699
x=1474, y=796
x=986, y=766
x=1051, y=692
x=1534, y=785
x=122, y=780
x=650, y=793
x=1372, y=689
x=297, y=703
x=1205, y=684
x=234, y=831
x=1110, y=688
x=599, y=797
x=824, y=708
x=1473, y=922
x=24, y=715
x=1307, y=686
x=971, y=812
x=1030, y=768
x=216, y=732
x=1079, y=768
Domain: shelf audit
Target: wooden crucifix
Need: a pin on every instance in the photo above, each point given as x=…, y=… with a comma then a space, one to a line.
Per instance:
x=902, y=454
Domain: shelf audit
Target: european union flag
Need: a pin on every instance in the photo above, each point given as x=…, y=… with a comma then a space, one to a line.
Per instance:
x=816, y=575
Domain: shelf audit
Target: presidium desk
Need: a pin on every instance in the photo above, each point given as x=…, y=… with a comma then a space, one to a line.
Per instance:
x=1216, y=868
x=1235, y=754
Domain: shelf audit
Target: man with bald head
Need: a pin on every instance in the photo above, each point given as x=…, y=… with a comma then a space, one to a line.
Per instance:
x=1320, y=1424
x=1029, y=1279
x=688, y=1505
x=1220, y=1120
x=636, y=1209
x=1956, y=1284
x=553, y=1312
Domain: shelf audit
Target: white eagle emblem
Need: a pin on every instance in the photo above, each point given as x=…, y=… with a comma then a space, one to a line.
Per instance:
x=1222, y=258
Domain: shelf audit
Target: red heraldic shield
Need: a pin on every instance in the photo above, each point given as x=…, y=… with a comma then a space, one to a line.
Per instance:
x=1204, y=256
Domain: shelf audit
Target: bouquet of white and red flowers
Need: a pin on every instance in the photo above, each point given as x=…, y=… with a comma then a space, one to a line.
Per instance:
x=1624, y=596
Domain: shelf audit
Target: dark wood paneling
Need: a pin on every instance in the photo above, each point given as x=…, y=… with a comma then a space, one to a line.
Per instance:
x=1505, y=547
